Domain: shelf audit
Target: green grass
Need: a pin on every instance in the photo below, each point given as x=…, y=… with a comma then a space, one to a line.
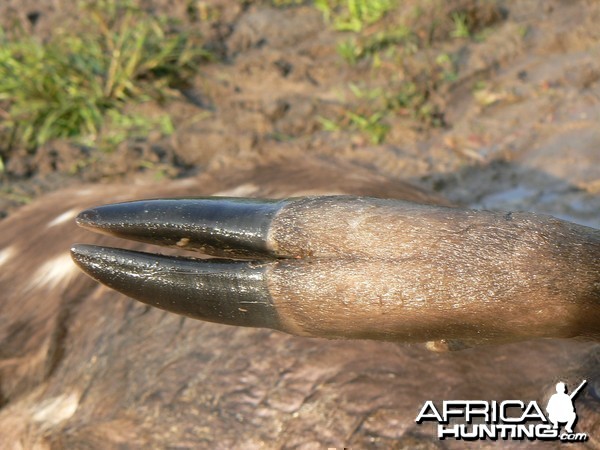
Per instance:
x=462, y=28
x=417, y=52
x=356, y=49
x=353, y=15
x=65, y=88
x=371, y=125
x=415, y=97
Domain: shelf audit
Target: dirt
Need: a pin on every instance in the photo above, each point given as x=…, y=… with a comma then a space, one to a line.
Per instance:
x=527, y=140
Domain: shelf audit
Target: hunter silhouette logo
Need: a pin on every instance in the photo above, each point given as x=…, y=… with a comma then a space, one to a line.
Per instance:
x=510, y=419
x=560, y=406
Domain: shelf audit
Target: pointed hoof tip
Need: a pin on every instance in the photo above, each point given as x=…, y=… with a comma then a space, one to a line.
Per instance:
x=89, y=257
x=88, y=218
x=80, y=252
x=223, y=291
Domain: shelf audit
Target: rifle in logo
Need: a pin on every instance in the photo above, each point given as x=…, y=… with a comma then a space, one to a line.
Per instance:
x=576, y=391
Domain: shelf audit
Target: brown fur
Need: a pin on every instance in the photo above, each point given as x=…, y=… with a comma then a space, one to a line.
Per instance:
x=410, y=272
x=83, y=367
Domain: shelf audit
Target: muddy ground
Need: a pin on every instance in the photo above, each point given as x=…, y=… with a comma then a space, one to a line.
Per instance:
x=517, y=129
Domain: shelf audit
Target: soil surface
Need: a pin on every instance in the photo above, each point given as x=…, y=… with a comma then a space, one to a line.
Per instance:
x=519, y=119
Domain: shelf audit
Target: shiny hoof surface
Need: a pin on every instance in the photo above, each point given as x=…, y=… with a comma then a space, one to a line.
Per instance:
x=230, y=227
x=219, y=290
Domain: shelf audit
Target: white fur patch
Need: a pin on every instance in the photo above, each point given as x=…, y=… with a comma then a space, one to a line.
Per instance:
x=6, y=254
x=67, y=215
x=84, y=192
x=186, y=182
x=243, y=190
x=55, y=410
x=53, y=272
